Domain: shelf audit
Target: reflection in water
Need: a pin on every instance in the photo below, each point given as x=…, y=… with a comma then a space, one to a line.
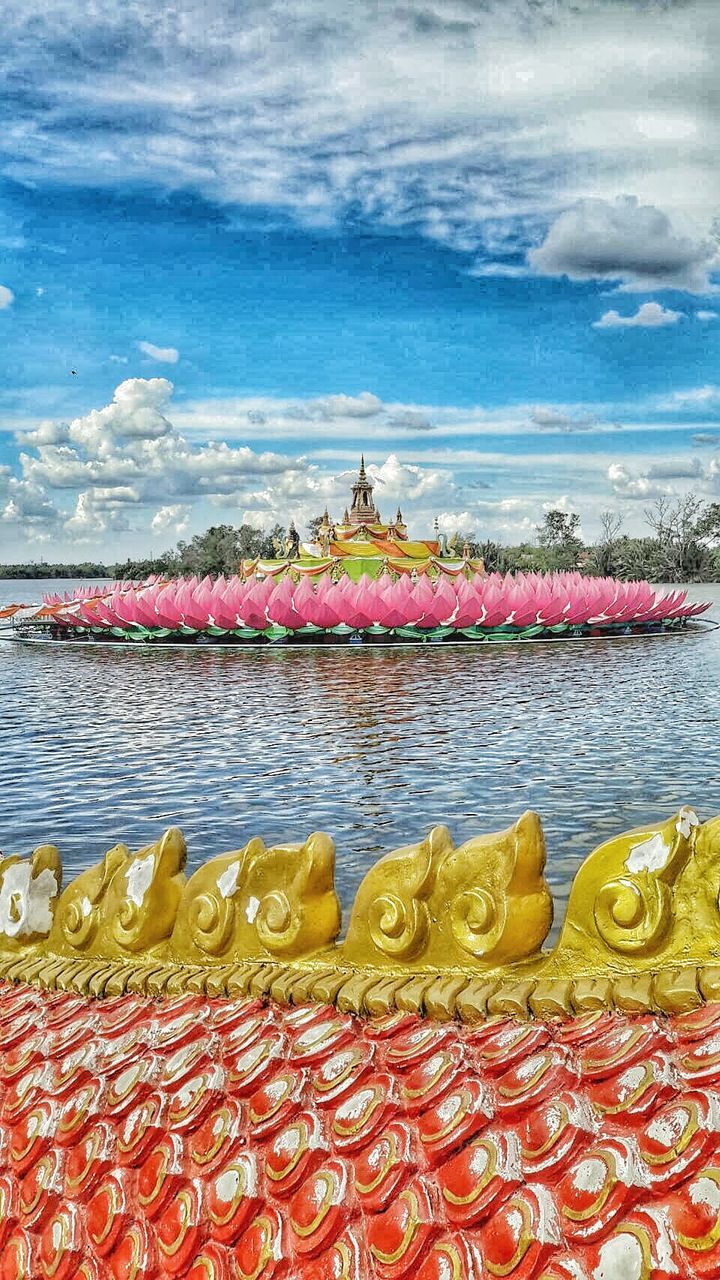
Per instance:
x=373, y=745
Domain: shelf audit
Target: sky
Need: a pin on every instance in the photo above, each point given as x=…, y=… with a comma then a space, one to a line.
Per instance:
x=241, y=242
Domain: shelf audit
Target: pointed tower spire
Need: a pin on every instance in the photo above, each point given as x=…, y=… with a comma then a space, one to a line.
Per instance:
x=363, y=510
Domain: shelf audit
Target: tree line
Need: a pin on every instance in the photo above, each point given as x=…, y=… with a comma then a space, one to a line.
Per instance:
x=682, y=544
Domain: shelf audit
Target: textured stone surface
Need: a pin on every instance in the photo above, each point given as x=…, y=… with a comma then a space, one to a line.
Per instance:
x=210, y=1138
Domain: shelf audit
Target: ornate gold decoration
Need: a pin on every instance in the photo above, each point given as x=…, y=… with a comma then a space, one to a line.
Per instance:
x=437, y=929
x=259, y=903
x=485, y=902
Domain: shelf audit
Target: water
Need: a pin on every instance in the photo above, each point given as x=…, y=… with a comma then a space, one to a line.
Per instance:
x=373, y=745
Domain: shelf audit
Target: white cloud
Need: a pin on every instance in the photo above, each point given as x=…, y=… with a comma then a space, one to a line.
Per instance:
x=625, y=484
x=624, y=241
x=366, y=405
x=174, y=518
x=7, y=297
x=473, y=124
x=691, y=398
x=706, y=315
x=164, y=355
x=651, y=315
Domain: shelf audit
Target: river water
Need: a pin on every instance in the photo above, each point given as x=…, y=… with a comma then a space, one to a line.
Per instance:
x=373, y=745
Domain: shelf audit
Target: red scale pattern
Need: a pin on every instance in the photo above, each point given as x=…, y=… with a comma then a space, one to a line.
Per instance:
x=222, y=1140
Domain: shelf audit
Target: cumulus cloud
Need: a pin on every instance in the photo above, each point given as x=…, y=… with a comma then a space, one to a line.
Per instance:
x=625, y=484
x=164, y=355
x=651, y=315
x=411, y=419
x=174, y=518
x=123, y=458
x=625, y=241
x=7, y=297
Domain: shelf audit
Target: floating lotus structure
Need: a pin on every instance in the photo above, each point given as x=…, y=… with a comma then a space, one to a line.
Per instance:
x=301, y=606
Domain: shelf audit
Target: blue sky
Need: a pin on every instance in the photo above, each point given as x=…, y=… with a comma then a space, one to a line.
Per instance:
x=476, y=240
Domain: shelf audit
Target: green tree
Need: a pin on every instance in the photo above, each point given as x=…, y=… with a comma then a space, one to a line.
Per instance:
x=558, y=535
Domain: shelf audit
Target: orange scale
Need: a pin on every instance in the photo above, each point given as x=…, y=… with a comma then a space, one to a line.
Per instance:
x=510, y=1044
x=135, y=1257
x=552, y=1133
x=229, y=1015
x=347, y=1259
x=233, y=1196
x=191, y=1057
x=124, y=1013
x=235, y=1038
x=680, y=1138
x=566, y=1266
x=362, y=1114
x=170, y=1032
x=431, y=1078
x=340, y=1073
x=20, y=1027
x=452, y=1257
x=698, y=1024
x=271, y=1106
x=641, y=1247
x=180, y=1229
x=414, y=1044
x=522, y=1235
x=541, y=1076
x=26, y=1053
x=322, y=1037
x=599, y=1187
x=32, y=1136
x=19, y=1256
x=141, y=1127
x=160, y=1175
x=25, y=1093
x=297, y=1017
x=109, y=1211
x=116, y=1053
x=252, y=1066
x=385, y=1165
x=461, y=1113
x=88, y=1270
x=213, y=1262
x=40, y=1190
x=77, y=1111
x=260, y=1253
x=475, y=1181
x=625, y=1041
x=294, y=1151
x=699, y=1062
x=694, y=1212
x=636, y=1091
x=64, y=1008
x=62, y=1244
x=89, y=1160
x=72, y=1069
x=217, y=1137
x=74, y=1034
x=389, y=1025
x=399, y=1238
x=189, y=1103
x=321, y=1207
x=585, y=1028
x=9, y=1206
x=131, y=1086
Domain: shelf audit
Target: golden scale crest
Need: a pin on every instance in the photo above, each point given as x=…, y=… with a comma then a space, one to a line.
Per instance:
x=445, y=929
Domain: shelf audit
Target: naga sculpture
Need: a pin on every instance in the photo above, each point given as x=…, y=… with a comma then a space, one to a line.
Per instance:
x=198, y=1080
